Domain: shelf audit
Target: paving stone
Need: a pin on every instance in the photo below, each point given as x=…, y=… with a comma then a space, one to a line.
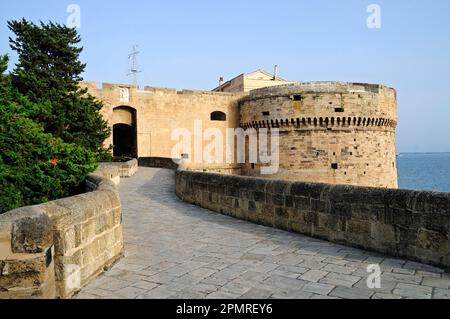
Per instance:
x=340, y=280
x=284, y=282
x=414, y=291
x=253, y=276
x=204, y=288
x=441, y=293
x=410, y=279
x=351, y=293
x=339, y=269
x=292, y=294
x=321, y=297
x=313, y=275
x=423, y=273
x=257, y=293
x=436, y=282
x=235, y=287
x=213, y=280
x=335, y=261
x=147, y=285
x=85, y=296
x=110, y=284
x=158, y=293
x=318, y=288
x=385, y=296
x=222, y=295
x=129, y=292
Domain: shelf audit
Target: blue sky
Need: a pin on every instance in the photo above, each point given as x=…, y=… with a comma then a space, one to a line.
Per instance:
x=189, y=44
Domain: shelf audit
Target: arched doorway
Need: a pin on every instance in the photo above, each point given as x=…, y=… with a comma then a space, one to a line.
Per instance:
x=124, y=132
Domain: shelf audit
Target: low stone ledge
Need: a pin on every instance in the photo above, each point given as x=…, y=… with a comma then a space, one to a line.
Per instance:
x=118, y=169
x=158, y=162
x=402, y=223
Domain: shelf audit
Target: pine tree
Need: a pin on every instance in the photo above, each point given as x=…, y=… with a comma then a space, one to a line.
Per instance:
x=35, y=166
x=48, y=73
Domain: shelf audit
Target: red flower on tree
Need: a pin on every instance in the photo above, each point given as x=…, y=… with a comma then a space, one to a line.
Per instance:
x=54, y=162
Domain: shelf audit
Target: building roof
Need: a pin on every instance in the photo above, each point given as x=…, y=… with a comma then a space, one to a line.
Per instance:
x=252, y=75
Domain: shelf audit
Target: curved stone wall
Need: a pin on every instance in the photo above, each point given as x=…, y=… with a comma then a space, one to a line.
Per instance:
x=330, y=132
x=52, y=250
x=402, y=223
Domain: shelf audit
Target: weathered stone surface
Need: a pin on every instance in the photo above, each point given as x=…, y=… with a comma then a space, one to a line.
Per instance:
x=33, y=233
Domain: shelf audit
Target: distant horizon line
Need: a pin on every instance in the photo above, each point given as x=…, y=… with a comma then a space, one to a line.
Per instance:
x=428, y=152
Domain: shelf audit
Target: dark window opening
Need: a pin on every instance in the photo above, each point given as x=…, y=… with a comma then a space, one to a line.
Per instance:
x=266, y=113
x=253, y=165
x=218, y=116
x=339, y=110
x=297, y=97
x=334, y=166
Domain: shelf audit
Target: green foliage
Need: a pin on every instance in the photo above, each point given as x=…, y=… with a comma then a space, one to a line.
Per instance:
x=48, y=73
x=35, y=166
x=51, y=131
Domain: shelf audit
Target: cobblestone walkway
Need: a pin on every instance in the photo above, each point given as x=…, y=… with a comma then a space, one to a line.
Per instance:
x=176, y=250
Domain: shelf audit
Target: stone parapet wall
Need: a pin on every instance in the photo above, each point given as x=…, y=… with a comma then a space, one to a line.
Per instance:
x=402, y=223
x=118, y=169
x=54, y=249
x=158, y=162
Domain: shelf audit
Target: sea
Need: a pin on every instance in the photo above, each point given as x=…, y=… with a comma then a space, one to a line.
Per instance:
x=424, y=171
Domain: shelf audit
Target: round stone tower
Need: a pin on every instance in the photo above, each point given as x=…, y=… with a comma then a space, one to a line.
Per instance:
x=330, y=132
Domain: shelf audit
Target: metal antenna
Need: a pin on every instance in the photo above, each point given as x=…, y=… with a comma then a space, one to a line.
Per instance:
x=134, y=68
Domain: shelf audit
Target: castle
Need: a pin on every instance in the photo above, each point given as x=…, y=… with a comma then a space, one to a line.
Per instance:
x=329, y=132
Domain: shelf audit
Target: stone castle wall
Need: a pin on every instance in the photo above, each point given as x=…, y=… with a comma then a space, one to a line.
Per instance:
x=337, y=133
x=160, y=111
x=330, y=132
x=407, y=224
